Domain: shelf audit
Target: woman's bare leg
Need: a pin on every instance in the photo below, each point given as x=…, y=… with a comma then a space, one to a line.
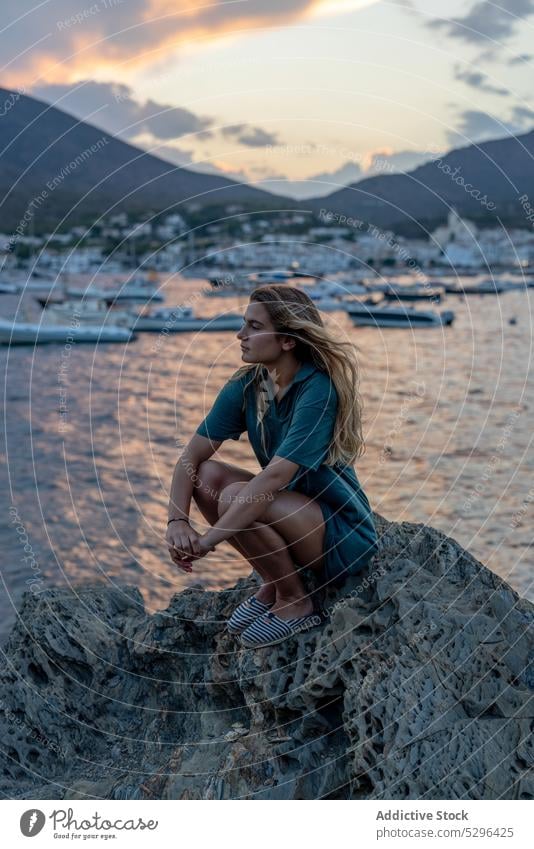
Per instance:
x=213, y=477
x=290, y=535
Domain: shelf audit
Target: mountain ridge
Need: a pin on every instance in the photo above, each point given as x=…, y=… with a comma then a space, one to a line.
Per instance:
x=43, y=185
x=39, y=141
x=500, y=170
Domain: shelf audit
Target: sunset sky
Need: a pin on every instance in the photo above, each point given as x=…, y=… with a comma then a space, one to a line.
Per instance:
x=278, y=91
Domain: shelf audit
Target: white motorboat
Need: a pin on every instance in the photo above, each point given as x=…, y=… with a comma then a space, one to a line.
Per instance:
x=30, y=333
x=342, y=286
x=325, y=295
x=326, y=303
x=407, y=291
x=138, y=289
x=230, y=284
x=375, y=315
x=88, y=311
x=9, y=288
x=377, y=286
x=233, y=292
x=233, y=283
x=500, y=286
x=413, y=293
x=183, y=320
x=275, y=276
x=42, y=285
x=331, y=295
x=350, y=288
x=484, y=287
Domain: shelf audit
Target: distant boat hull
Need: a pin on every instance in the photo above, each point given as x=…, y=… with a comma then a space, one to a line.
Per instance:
x=368, y=316
x=156, y=324
x=20, y=333
x=40, y=287
x=485, y=288
x=87, y=312
x=112, y=296
x=329, y=304
x=407, y=294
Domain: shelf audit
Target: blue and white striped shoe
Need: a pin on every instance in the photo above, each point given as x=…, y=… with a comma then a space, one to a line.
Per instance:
x=246, y=613
x=269, y=629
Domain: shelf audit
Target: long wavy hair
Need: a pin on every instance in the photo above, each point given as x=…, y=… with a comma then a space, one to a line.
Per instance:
x=293, y=313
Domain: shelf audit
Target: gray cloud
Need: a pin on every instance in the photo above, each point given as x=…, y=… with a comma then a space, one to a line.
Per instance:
x=478, y=80
x=113, y=107
x=475, y=126
x=250, y=136
x=519, y=60
x=523, y=116
x=485, y=21
x=184, y=158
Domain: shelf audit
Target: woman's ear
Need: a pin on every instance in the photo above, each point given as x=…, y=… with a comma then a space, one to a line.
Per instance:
x=288, y=343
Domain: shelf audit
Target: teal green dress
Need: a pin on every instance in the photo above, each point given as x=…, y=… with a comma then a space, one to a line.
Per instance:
x=299, y=427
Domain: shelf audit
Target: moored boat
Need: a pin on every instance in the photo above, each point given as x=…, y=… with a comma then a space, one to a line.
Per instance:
x=373, y=315
x=413, y=293
x=138, y=289
x=183, y=320
x=31, y=333
x=87, y=311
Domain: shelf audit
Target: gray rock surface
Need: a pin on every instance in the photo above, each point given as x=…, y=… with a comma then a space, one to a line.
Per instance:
x=419, y=686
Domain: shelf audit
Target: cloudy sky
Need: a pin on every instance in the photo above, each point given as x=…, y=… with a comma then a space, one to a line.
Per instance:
x=299, y=96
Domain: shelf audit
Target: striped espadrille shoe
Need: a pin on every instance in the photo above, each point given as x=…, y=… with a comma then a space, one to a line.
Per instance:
x=245, y=614
x=269, y=629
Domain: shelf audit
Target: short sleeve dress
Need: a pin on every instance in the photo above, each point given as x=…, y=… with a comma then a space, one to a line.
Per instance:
x=299, y=427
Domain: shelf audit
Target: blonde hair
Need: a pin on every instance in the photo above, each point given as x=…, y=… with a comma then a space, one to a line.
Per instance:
x=293, y=313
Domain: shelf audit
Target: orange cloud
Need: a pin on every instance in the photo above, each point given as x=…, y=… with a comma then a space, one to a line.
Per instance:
x=93, y=38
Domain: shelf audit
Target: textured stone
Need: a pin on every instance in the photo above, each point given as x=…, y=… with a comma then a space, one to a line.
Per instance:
x=419, y=685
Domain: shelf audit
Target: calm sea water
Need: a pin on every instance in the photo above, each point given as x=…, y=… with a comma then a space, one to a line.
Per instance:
x=448, y=423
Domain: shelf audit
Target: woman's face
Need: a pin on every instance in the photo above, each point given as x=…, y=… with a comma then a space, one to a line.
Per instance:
x=259, y=342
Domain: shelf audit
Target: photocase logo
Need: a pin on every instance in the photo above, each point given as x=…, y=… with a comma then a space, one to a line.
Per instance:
x=32, y=822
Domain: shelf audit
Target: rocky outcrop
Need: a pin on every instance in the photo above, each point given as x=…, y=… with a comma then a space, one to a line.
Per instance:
x=417, y=686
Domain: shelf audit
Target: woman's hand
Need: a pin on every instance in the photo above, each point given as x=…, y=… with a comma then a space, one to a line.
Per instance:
x=183, y=543
x=204, y=547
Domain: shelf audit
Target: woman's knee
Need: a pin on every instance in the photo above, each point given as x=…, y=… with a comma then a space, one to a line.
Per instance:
x=208, y=480
x=229, y=494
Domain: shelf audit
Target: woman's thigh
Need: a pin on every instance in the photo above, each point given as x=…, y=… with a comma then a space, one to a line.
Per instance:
x=297, y=519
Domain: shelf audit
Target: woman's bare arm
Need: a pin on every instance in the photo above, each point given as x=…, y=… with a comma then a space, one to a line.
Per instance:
x=250, y=503
x=198, y=449
x=182, y=540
